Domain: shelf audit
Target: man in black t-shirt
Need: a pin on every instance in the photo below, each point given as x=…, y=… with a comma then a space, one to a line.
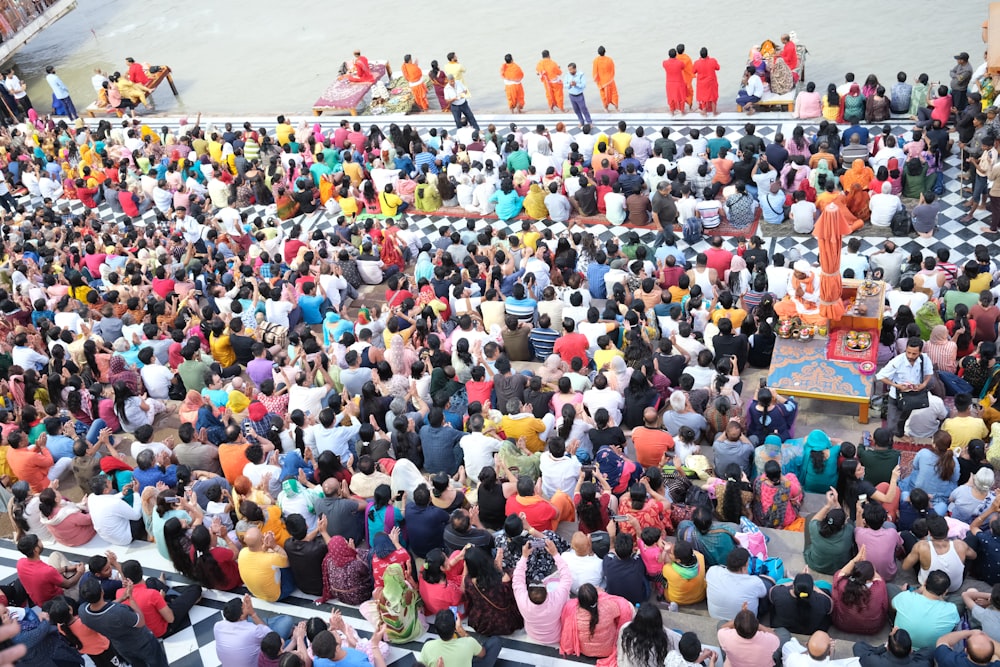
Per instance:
x=585, y=199
x=306, y=550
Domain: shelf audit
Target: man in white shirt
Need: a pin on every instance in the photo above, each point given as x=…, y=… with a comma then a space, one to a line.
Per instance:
x=26, y=357
x=583, y=564
x=730, y=586
x=478, y=448
x=777, y=276
x=189, y=226
x=306, y=397
x=803, y=214
x=49, y=187
x=116, y=521
x=907, y=372
x=905, y=296
x=155, y=376
x=602, y=396
x=258, y=467
x=852, y=259
x=559, y=467
x=883, y=206
x=816, y=653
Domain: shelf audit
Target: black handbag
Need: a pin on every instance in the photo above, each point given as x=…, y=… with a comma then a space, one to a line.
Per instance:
x=908, y=401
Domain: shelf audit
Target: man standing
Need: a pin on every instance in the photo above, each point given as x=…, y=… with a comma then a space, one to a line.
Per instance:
x=513, y=76
x=16, y=87
x=604, y=78
x=457, y=97
x=688, y=73
x=705, y=69
x=453, y=68
x=961, y=76
x=551, y=75
x=60, y=90
x=415, y=77
x=576, y=98
x=676, y=88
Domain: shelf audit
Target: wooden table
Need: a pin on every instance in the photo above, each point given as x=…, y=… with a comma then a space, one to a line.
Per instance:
x=800, y=368
x=165, y=74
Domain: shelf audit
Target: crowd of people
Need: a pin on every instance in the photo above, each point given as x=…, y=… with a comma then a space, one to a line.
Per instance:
x=399, y=454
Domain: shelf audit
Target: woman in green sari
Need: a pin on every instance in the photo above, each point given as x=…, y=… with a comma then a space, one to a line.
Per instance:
x=519, y=458
x=822, y=167
x=396, y=605
x=918, y=96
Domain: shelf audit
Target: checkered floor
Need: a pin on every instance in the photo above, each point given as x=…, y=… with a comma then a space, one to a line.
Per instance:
x=194, y=646
x=960, y=237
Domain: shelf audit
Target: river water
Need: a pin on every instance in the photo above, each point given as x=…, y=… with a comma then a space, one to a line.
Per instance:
x=251, y=57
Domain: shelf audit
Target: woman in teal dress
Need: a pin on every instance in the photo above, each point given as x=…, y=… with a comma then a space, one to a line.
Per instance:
x=507, y=200
x=818, y=470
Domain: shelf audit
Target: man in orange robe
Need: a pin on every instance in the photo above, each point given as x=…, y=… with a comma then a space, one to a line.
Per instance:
x=604, y=78
x=513, y=75
x=551, y=75
x=415, y=77
x=688, y=73
x=676, y=89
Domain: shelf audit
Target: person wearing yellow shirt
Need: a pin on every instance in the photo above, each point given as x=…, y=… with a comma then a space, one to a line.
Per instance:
x=264, y=567
x=521, y=423
x=222, y=350
x=215, y=148
x=348, y=204
x=391, y=202
x=353, y=170
x=603, y=357
x=283, y=130
x=529, y=236
x=621, y=139
x=726, y=309
x=964, y=427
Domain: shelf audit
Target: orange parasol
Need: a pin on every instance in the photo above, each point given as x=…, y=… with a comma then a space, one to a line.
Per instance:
x=831, y=227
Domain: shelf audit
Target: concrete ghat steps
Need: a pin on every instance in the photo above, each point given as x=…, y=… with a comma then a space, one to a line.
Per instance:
x=789, y=546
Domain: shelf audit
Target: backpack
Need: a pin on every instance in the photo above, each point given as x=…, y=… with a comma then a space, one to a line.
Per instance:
x=698, y=497
x=772, y=567
x=272, y=334
x=900, y=223
x=692, y=231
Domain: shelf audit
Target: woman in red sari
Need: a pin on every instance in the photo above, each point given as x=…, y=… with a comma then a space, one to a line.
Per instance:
x=392, y=249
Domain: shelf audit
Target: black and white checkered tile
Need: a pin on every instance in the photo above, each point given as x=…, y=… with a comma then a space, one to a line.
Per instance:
x=194, y=646
x=960, y=237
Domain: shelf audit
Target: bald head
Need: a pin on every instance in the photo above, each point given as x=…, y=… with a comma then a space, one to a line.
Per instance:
x=979, y=648
x=331, y=486
x=818, y=645
x=649, y=417
x=581, y=544
x=253, y=539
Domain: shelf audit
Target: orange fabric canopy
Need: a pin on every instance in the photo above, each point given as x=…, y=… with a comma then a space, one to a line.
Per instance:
x=831, y=227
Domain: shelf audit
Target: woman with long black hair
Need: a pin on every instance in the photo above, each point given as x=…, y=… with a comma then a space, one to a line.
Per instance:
x=490, y=606
x=770, y=414
x=860, y=599
x=134, y=411
x=643, y=642
x=81, y=638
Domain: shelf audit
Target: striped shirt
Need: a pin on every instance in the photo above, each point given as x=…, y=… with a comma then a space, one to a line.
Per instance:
x=542, y=341
x=522, y=309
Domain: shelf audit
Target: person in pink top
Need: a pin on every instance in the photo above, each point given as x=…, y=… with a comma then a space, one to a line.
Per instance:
x=539, y=606
x=746, y=642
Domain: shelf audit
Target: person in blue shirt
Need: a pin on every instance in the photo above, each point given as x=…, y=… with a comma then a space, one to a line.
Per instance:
x=442, y=452
x=41, y=312
x=151, y=469
x=595, y=276
x=310, y=304
x=507, y=200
